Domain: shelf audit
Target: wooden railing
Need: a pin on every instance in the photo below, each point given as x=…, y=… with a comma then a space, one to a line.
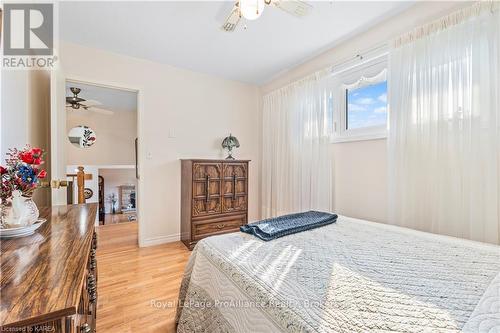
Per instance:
x=81, y=177
x=80, y=183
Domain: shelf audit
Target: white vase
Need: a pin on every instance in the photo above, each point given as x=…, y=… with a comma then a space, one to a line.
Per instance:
x=20, y=212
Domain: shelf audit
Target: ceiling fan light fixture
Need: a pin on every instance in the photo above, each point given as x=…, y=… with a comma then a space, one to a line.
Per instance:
x=251, y=9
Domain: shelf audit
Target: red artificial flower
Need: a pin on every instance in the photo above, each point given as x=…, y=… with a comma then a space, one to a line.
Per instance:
x=37, y=152
x=2, y=170
x=42, y=174
x=26, y=157
x=32, y=156
x=37, y=155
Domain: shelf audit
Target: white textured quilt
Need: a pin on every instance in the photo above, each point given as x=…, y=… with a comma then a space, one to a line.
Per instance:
x=351, y=276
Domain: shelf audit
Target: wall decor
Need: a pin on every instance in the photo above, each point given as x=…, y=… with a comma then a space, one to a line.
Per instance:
x=88, y=193
x=82, y=136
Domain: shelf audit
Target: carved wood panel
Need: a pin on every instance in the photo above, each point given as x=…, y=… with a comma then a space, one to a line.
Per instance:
x=201, y=207
x=201, y=170
x=206, y=178
x=230, y=205
x=239, y=184
x=234, y=187
x=238, y=169
x=200, y=188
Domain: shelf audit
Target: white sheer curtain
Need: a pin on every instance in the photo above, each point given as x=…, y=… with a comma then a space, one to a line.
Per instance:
x=297, y=163
x=444, y=137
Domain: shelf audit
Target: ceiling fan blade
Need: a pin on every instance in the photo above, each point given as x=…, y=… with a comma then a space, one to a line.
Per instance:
x=90, y=102
x=101, y=111
x=232, y=19
x=295, y=7
x=73, y=99
x=70, y=107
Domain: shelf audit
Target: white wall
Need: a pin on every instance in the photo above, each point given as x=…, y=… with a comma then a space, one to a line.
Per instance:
x=115, y=138
x=25, y=116
x=360, y=168
x=14, y=110
x=182, y=114
x=360, y=179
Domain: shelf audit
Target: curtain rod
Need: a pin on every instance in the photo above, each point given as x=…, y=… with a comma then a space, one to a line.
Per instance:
x=380, y=52
x=447, y=21
x=362, y=56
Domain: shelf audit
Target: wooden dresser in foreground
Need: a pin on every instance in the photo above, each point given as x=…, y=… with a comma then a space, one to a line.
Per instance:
x=49, y=279
x=214, y=198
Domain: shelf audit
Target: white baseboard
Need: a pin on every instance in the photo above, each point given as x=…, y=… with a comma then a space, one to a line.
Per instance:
x=160, y=240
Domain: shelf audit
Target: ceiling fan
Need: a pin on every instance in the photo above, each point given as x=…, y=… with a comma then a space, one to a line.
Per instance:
x=252, y=9
x=77, y=103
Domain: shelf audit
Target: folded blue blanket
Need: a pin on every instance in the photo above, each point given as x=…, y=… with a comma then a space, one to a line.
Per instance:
x=276, y=227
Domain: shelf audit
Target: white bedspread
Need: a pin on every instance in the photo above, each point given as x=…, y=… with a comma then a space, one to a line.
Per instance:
x=351, y=276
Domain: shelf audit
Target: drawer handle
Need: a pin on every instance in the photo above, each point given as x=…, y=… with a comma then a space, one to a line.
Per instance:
x=85, y=328
x=207, y=199
x=234, y=187
x=220, y=226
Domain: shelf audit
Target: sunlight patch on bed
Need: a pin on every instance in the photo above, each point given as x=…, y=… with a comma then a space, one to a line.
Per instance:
x=358, y=305
x=285, y=260
x=248, y=248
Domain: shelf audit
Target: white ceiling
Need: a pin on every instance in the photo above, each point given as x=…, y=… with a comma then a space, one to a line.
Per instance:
x=187, y=34
x=116, y=100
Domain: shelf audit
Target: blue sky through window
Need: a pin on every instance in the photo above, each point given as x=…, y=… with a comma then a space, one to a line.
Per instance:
x=367, y=106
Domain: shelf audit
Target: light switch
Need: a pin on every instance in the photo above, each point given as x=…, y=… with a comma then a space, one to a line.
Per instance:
x=149, y=155
x=171, y=133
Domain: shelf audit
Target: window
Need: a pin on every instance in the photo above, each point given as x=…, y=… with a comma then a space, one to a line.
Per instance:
x=361, y=110
x=366, y=106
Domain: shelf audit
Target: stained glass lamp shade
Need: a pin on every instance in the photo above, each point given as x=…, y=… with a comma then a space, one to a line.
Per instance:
x=229, y=143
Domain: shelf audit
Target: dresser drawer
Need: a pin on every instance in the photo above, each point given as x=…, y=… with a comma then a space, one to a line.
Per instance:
x=205, y=228
x=214, y=198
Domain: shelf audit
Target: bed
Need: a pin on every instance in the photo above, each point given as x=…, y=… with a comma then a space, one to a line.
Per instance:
x=350, y=276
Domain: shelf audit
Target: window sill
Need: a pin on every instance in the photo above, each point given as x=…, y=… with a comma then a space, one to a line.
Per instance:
x=366, y=137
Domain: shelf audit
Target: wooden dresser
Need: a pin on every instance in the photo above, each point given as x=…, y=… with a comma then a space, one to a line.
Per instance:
x=214, y=198
x=49, y=279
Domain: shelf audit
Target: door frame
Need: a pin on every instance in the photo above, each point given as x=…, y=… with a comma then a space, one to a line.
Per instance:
x=140, y=155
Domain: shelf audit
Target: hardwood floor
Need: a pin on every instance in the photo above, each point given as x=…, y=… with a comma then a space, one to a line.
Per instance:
x=131, y=278
x=116, y=218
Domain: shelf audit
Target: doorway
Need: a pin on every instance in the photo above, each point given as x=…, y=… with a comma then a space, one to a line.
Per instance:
x=102, y=131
